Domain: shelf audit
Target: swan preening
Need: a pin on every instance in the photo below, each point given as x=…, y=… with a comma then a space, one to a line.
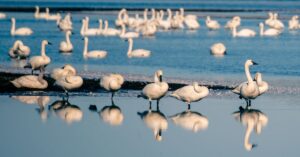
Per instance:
x=233, y=23
x=190, y=93
x=59, y=73
x=112, y=82
x=65, y=24
x=190, y=120
x=66, y=46
x=23, y=31
x=30, y=82
x=19, y=50
x=94, y=53
x=248, y=90
x=137, y=53
x=218, y=49
x=39, y=62
x=252, y=119
x=155, y=90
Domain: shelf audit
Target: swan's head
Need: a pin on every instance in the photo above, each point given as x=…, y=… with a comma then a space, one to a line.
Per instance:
x=295, y=17
x=208, y=18
x=87, y=18
x=69, y=32
x=71, y=70
x=250, y=62
x=249, y=147
x=236, y=18
x=13, y=19
x=46, y=42
x=47, y=10
x=159, y=74
x=261, y=25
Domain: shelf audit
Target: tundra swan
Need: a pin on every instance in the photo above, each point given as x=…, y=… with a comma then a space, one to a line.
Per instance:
x=294, y=22
x=190, y=93
x=110, y=31
x=69, y=82
x=19, y=50
x=127, y=35
x=263, y=86
x=212, y=24
x=243, y=33
x=94, y=53
x=39, y=15
x=39, y=62
x=218, y=49
x=156, y=90
x=66, y=111
x=112, y=83
x=23, y=31
x=85, y=31
x=66, y=46
x=52, y=16
x=31, y=82
x=268, y=32
x=138, y=53
x=59, y=73
x=234, y=22
x=165, y=24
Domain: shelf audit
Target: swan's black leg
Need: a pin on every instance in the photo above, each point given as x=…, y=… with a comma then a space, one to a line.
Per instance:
x=189, y=106
x=157, y=105
x=150, y=105
x=249, y=102
x=112, y=95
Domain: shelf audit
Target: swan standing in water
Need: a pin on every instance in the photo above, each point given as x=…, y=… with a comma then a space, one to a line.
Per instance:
x=268, y=32
x=212, y=24
x=112, y=83
x=59, y=73
x=247, y=90
x=30, y=82
x=19, y=50
x=156, y=90
x=156, y=121
x=94, y=53
x=23, y=31
x=253, y=119
x=190, y=120
x=218, y=49
x=66, y=46
x=137, y=53
x=190, y=93
x=243, y=32
x=39, y=62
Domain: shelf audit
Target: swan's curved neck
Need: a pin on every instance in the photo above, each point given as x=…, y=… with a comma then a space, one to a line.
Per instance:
x=250, y=127
x=234, y=31
x=37, y=11
x=82, y=27
x=43, y=50
x=130, y=42
x=169, y=15
x=123, y=30
x=261, y=29
x=100, y=25
x=247, y=72
x=145, y=15
x=68, y=38
x=17, y=44
x=105, y=26
x=85, y=48
x=156, y=79
x=13, y=27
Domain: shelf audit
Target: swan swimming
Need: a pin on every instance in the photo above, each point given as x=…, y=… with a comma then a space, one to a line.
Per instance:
x=294, y=22
x=212, y=24
x=137, y=53
x=110, y=31
x=39, y=62
x=247, y=90
x=243, y=33
x=156, y=90
x=112, y=83
x=19, y=50
x=218, y=49
x=39, y=15
x=23, y=31
x=66, y=46
x=126, y=35
x=234, y=22
x=190, y=93
x=268, y=32
x=30, y=82
x=94, y=53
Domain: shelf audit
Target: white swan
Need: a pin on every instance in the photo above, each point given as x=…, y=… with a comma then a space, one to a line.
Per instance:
x=39, y=62
x=247, y=90
x=212, y=24
x=31, y=82
x=112, y=82
x=126, y=35
x=189, y=16
x=218, y=49
x=66, y=46
x=234, y=22
x=2, y=15
x=65, y=24
x=85, y=31
x=120, y=20
x=243, y=33
x=156, y=121
x=69, y=82
x=165, y=24
x=137, y=53
x=19, y=50
x=91, y=31
x=49, y=16
x=294, y=22
x=275, y=22
x=23, y=31
x=149, y=29
x=190, y=93
x=39, y=15
x=59, y=73
x=94, y=53
x=156, y=90
x=263, y=86
x=110, y=31
x=190, y=120
x=270, y=19
x=268, y=32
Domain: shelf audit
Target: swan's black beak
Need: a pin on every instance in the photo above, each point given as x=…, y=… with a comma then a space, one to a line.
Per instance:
x=160, y=78
x=72, y=33
x=49, y=43
x=254, y=145
x=254, y=63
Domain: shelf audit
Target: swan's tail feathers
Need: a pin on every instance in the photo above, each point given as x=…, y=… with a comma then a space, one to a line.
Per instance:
x=236, y=90
x=93, y=108
x=16, y=83
x=174, y=95
x=28, y=66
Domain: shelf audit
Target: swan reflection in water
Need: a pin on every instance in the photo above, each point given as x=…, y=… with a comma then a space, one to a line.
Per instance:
x=155, y=120
x=190, y=120
x=253, y=119
x=111, y=115
x=66, y=111
x=41, y=101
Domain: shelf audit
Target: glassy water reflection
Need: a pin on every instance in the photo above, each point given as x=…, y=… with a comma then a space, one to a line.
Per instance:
x=128, y=125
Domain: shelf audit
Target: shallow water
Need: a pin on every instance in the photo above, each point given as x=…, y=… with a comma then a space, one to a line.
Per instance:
x=25, y=130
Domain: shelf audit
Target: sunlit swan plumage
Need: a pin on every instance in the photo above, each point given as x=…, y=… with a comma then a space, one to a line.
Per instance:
x=19, y=50
x=23, y=31
x=65, y=24
x=263, y=86
x=39, y=15
x=243, y=32
x=190, y=120
x=268, y=32
x=86, y=31
x=190, y=93
x=69, y=82
x=275, y=22
x=59, y=73
x=110, y=31
x=52, y=16
x=66, y=46
x=212, y=24
x=137, y=53
x=156, y=90
x=234, y=22
x=294, y=22
x=31, y=82
x=112, y=82
x=94, y=53
x=218, y=49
